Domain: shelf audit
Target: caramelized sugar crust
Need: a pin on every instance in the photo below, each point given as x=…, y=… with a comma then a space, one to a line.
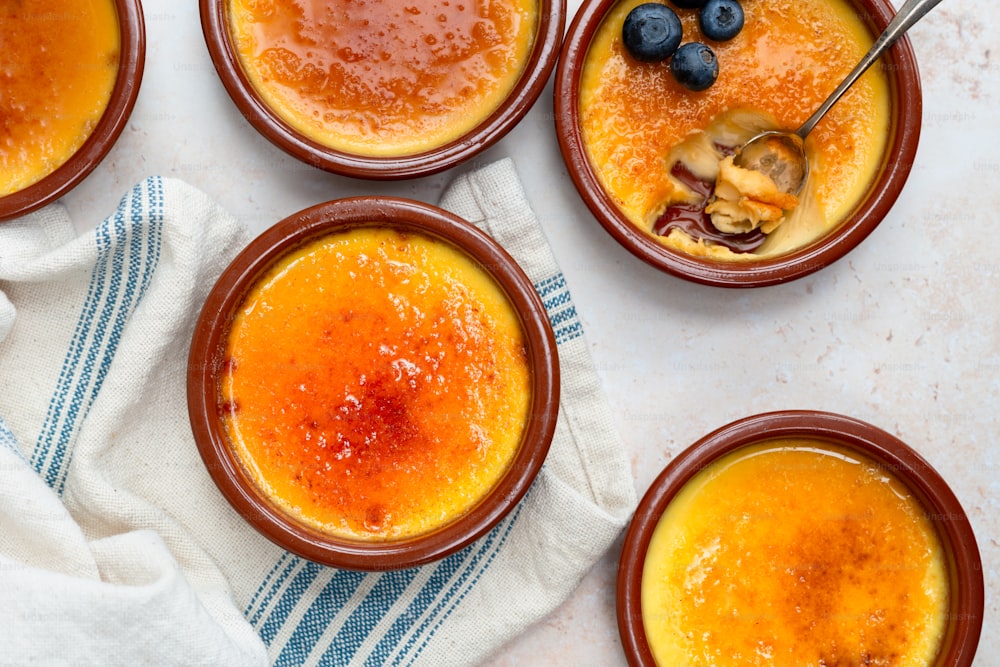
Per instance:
x=795, y=553
x=376, y=384
x=59, y=64
x=379, y=77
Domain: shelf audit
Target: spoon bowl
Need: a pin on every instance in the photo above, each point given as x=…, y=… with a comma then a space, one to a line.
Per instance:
x=778, y=155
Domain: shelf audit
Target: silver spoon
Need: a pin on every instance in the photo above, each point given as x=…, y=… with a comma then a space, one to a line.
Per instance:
x=780, y=154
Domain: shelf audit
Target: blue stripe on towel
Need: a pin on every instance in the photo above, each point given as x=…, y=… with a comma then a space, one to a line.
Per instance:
x=461, y=587
x=559, y=305
x=155, y=216
x=8, y=440
x=97, y=317
x=137, y=246
x=128, y=252
x=286, y=603
x=489, y=561
x=96, y=347
x=422, y=600
x=560, y=299
x=390, y=587
x=550, y=285
x=442, y=573
x=568, y=333
x=254, y=616
x=562, y=316
x=330, y=600
x=386, y=591
x=95, y=292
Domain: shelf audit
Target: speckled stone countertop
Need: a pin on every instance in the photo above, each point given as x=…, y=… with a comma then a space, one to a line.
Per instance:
x=904, y=332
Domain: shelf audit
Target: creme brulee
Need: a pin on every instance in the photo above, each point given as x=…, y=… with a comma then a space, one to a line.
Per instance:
x=376, y=384
x=656, y=146
x=794, y=552
x=383, y=78
x=58, y=65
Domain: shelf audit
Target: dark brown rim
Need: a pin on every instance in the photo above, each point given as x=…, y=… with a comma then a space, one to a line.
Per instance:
x=545, y=51
x=944, y=509
x=206, y=358
x=123, y=96
x=901, y=65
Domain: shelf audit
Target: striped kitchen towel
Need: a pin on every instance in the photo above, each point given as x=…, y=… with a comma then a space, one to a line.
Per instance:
x=115, y=545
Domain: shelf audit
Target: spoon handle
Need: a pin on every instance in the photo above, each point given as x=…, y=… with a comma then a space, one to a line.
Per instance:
x=911, y=12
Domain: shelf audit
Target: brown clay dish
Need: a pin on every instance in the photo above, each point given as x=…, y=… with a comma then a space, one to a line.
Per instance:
x=123, y=96
x=206, y=363
x=544, y=53
x=905, y=111
x=962, y=564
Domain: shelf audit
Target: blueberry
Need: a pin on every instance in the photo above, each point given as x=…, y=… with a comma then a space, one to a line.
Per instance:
x=721, y=20
x=651, y=32
x=695, y=66
x=688, y=4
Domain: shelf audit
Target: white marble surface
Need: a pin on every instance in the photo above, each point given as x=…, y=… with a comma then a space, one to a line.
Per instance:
x=904, y=332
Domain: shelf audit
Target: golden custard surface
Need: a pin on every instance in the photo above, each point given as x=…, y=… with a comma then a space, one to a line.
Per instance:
x=379, y=77
x=789, y=56
x=794, y=553
x=58, y=64
x=376, y=384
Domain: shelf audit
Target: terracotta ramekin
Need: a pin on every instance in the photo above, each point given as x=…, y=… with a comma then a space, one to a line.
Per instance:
x=131, y=62
x=906, y=107
x=966, y=591
x=544, y=53
x=208, y=350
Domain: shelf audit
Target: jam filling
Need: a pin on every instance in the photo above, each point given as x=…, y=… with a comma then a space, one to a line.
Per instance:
x=693, y=221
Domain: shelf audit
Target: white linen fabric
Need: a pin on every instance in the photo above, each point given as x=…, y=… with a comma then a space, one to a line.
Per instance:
x=117, y=548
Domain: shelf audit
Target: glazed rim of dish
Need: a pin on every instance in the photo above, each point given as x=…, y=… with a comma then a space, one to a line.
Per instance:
x=208, y=350
x=905, y=92
x=544, y=53
x=131, y=60
x=966, y=590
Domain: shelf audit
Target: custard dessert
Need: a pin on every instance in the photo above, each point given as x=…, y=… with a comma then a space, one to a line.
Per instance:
x=661, y=151
x=795, y=552
x=59, y=64
x=375, y=384
x=381, y=78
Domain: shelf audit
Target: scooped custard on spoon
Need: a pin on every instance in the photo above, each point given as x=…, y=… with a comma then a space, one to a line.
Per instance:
x=747, y=199
x=763, y=179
